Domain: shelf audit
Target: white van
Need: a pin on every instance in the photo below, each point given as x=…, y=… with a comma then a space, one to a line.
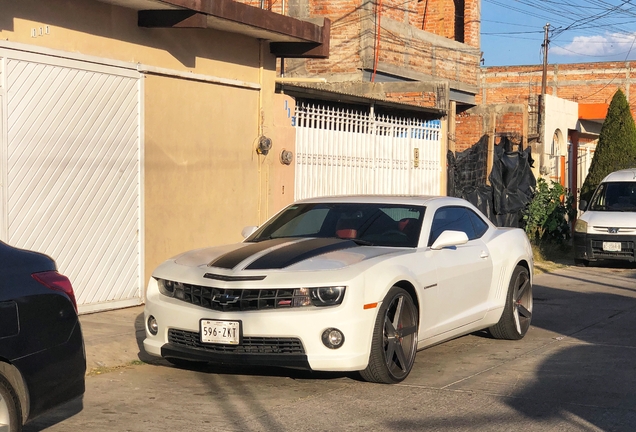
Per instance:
x=607, y=229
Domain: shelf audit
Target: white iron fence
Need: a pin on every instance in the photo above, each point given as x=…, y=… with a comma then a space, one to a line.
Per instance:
x=345, y=151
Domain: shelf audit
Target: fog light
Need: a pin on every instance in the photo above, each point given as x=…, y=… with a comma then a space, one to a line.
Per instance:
x=153, y=327
x=332, y=338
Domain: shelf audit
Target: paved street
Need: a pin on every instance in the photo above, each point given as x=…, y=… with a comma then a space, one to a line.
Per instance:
x=575, y=370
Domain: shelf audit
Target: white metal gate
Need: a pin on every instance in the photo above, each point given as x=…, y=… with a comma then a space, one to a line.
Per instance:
x=344, y=151
x=72, y=174
x=583, y=162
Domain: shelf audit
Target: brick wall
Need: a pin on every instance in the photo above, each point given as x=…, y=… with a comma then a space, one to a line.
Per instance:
x=474, y=123
x=423, y=99
x=405, y=44
x=580, y=82
x=469, y=128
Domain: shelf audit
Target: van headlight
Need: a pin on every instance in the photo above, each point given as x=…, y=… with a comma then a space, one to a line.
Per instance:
x=580, y=226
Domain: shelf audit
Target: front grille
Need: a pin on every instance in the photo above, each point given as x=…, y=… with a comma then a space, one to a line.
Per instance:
x=230, y=300
x=249, y=344
x=627, y=250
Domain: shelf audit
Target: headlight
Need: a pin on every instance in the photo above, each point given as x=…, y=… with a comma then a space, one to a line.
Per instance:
x=327, y=296
x=323, y=296
x=166, y=287
x=580, y=226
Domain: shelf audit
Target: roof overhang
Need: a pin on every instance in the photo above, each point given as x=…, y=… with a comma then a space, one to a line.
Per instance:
x=589, y=127
x=289, y=37
x=320, y=91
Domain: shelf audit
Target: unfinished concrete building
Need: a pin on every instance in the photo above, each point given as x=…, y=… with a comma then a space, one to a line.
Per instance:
x=396, y=74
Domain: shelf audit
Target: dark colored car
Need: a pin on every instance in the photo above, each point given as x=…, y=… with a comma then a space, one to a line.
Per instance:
x=42, y=358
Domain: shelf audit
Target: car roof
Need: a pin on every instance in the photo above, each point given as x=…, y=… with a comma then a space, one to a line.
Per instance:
x=622, y=175
x=385, y=199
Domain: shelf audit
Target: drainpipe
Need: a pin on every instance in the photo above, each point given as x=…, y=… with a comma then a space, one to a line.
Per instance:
x=259, y=127
x=377, y=41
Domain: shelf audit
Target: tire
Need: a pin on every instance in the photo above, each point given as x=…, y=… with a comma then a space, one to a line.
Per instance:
x=186, y=364
x=10, y=409
x=394, y=343
x=517, y=314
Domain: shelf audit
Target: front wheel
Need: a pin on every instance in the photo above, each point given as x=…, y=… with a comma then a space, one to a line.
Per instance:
x=10, y=412
x=517, y=314
x=394, y=343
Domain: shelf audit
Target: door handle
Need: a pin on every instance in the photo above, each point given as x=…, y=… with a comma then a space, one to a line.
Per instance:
x=483, y=254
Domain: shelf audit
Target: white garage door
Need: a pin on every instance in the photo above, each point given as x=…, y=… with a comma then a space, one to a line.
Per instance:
x=71, y=171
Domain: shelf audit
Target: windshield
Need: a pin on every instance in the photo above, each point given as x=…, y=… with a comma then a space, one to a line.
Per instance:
x=368, y=224
x=614, y=196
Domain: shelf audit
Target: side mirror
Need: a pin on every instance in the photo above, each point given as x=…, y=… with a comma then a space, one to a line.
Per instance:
x=582, y=205
x=248, y=231
x=450, y=238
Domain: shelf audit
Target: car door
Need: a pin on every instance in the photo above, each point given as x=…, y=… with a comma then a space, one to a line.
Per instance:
x=464, y=272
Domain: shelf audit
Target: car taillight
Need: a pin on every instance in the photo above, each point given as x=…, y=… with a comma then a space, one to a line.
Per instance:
x=58, y=282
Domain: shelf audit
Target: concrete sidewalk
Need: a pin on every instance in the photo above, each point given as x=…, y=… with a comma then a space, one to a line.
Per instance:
x=114, y=338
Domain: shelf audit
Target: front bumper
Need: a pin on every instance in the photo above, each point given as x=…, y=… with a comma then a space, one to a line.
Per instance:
x=279, y=337
x=589, y=247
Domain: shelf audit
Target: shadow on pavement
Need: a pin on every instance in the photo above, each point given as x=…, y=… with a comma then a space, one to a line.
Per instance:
x=55, y=416
x=591, y=373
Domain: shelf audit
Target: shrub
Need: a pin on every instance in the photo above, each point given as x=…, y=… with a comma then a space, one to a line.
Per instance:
x=547, y=216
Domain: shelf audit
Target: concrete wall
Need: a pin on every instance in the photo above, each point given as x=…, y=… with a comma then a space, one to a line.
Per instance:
x=561, y=115
x=203, y=179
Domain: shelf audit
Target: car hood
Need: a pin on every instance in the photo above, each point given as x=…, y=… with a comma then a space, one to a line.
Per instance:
x=610, y=219
x=295, y=254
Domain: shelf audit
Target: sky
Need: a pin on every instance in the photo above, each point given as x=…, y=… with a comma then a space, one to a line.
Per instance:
x=581, y=31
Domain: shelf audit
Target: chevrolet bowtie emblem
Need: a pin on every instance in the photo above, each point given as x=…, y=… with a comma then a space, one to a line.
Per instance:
x=225, y=299
x=612, y=230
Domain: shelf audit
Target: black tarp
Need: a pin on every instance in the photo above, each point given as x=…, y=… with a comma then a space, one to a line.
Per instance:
x=512, y=182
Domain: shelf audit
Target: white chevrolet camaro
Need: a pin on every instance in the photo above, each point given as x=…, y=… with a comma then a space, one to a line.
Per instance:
x=350, y=283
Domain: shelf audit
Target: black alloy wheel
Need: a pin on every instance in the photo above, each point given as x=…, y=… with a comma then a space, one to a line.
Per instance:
x=394, y=342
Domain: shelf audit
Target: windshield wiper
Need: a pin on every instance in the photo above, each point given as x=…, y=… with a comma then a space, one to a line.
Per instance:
x=362, y=242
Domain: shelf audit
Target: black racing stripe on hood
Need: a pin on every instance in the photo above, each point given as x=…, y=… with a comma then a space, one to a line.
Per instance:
x=297, y=252
x=232, y=259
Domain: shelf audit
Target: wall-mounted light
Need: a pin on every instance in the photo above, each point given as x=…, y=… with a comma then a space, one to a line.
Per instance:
x=286, y=157
x=264, y=145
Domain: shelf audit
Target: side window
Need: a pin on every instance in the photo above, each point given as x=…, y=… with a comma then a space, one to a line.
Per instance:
x=478, y=223
x=452, y=219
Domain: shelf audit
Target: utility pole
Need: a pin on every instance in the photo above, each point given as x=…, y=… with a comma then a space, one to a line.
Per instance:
x=541, y=124
x=546, y=41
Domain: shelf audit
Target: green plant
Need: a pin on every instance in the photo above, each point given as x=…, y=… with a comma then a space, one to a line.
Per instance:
x=548, y=214
x=616, y=148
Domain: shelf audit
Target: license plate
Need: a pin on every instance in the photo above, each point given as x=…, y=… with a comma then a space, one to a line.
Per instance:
x=221, y=332
x=612, y=246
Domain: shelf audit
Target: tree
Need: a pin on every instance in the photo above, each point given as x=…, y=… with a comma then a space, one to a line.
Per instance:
x=616, y=148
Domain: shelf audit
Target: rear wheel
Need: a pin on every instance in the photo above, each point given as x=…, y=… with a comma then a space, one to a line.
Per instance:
x=394, y=342
x=10, y=410
x=517, y=314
